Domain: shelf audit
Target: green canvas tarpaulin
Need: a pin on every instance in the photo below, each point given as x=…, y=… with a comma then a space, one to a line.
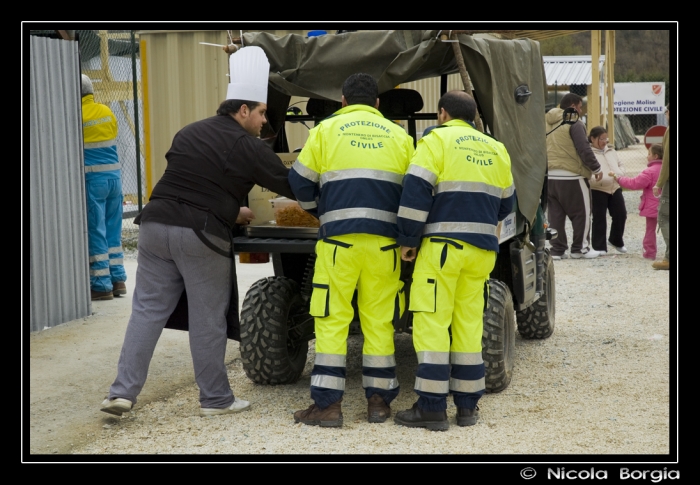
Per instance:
x=316, y=67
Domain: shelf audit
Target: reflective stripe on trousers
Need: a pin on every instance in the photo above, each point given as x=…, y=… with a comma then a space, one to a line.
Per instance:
x=104, y=211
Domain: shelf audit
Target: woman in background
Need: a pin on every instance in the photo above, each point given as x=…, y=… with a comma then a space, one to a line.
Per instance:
x=606, y=195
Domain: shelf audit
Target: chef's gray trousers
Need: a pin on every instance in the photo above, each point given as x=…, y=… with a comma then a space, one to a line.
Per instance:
x=170, y=259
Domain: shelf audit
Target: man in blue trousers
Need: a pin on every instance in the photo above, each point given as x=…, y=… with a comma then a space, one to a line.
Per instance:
x=103, y=188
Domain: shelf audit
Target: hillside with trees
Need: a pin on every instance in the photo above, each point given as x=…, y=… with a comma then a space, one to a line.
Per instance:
x=640, y=55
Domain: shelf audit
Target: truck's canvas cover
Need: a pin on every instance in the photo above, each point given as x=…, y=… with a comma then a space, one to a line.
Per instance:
x=317, y=66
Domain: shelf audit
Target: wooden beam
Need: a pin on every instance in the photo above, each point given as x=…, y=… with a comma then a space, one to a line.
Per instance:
x=593, y=115
x=66, y=34
x=610, y=82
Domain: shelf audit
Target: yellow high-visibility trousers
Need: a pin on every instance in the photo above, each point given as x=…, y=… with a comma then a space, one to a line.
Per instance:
x=372, y=265
x=448, y=294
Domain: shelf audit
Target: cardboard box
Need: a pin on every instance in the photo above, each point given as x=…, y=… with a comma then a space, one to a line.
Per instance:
x=259, y=197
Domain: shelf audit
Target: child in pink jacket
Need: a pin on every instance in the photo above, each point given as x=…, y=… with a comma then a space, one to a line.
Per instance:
x=648, y=207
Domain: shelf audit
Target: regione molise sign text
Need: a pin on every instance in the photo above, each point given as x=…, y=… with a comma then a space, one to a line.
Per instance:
x=639, y=98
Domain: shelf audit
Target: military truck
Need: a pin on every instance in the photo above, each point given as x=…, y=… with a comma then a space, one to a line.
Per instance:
x=507, y=80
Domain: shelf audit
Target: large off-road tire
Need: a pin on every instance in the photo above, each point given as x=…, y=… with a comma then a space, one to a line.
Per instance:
x=498, y=341
x=537, y=320
x=268, y=351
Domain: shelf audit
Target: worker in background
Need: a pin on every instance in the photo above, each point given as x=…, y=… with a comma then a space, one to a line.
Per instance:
x=457, y=189
x=349, y=175
x=186, y=242
x=103, y=188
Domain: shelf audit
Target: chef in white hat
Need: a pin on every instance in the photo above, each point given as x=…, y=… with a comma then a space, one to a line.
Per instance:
x=246, y=97
x=185, y=240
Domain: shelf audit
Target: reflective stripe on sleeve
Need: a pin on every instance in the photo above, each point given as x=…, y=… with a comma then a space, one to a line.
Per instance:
x=99, y=272
x=115, y=250
x=99, y=257
x=508, y=192
x=358, y=213
x=413, y=214
x=465, y=227
x=307, y=205
x=306, y=172
x=422, y=173
x=476, y=187
x=116, y=261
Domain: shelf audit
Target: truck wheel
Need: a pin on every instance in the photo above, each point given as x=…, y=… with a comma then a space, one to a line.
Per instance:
x=268, y=351
x=537, y=320
x=498, y=341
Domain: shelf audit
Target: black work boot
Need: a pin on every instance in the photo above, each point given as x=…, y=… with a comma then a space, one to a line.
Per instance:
x=377, y=410
x=331, y=417
x=467, y=417
x=418, y=418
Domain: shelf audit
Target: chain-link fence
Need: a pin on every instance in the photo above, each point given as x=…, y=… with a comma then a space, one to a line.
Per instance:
x=110, y=58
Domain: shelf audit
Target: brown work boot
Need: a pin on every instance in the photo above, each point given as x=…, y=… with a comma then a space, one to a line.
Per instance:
x=331, y=417
x=418, y=418
x=467, y=417
x=665, y=264
x=101, y=295
x=119, y=288
x=377, y=410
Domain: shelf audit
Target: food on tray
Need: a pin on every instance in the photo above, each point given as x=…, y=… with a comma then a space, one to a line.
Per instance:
x=295, y=216
x=289, y=214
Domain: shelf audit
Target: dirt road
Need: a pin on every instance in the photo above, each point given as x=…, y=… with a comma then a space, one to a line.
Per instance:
x=603, y=384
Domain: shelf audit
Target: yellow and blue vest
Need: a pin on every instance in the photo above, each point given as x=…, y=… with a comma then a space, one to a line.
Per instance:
x=459, y=185
x=100, y=140
x=349, y=173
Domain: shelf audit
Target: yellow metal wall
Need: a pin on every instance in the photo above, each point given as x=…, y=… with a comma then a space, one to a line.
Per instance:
x=182, y=82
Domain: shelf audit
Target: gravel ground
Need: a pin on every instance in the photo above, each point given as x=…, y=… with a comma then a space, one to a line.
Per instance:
x=602, y=384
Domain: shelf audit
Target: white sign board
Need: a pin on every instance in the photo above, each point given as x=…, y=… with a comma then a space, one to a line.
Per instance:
x=639, y=98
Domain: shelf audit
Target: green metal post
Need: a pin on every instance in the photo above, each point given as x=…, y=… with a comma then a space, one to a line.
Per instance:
x=137, y=131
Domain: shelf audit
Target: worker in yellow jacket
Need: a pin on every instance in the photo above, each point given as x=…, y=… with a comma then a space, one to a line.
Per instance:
x=103, y=186
x=349, y=175
x=457, y=189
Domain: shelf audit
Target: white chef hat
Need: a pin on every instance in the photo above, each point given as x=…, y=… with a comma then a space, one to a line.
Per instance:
x=249, y=71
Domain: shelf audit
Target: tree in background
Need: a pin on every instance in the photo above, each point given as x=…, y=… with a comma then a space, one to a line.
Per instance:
x=641, y=55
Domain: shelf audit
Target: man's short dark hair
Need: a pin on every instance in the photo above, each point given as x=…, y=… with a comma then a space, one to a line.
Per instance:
x=231, y=106
x=360, y=88
x=459, y=105
x=570, y=99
